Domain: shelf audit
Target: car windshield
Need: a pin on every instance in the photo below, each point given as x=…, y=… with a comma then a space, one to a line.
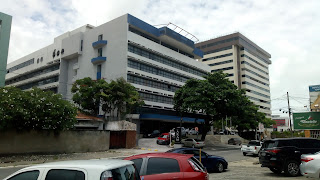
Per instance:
x=164, y=136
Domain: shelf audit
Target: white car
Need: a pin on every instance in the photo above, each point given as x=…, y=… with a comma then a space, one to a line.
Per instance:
x=193, y=132
x=79, y=170
x=310, y=165
x=253, y=147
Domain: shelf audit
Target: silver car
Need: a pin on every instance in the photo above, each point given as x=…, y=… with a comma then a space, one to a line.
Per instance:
x=81, y=170
x=310, y=165
x=194, y=143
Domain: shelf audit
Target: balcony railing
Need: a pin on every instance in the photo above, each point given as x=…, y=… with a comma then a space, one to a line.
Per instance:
x=99, y=44
x=99, y=59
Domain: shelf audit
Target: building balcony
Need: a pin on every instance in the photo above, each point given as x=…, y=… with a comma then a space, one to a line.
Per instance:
x=99, y=44
x=99, y=59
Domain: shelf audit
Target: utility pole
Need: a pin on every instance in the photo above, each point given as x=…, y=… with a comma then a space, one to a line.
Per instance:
x=289, y=114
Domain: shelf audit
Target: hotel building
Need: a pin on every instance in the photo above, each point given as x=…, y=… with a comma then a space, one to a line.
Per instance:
x=157, y=61
x=246, y=64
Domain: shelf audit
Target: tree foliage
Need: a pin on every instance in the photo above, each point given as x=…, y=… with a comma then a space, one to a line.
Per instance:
x=217, y=98
x=119, y=96
x=87, y=94
x=35, y=110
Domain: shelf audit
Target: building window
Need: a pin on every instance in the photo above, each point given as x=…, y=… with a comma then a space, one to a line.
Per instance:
x=222, y=69
x=37, y=60
x=33, y=74
x=99, y=52
x=216, y=57
x=100, y=37
x=164, y=60
x=99, y=72
x=81, y=45
x=219, y=63
x=156, y=71
x=151, y=83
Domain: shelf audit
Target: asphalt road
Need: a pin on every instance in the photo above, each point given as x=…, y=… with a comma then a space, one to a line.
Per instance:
x=231, y=154
x=240, y=167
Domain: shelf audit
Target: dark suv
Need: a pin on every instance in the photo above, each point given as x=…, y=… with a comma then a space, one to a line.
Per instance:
x=283, y=154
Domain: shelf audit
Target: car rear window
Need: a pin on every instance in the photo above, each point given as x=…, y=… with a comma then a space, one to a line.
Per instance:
x=162, y=165
x=125, y=173
x=138, y=163
x=30, y=175
x=254, y=143
x=198, y=140
x=269, y=144
x=55, y=174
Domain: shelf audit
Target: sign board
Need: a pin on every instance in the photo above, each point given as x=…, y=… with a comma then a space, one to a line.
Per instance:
x=261, y=127
x=306, y=121
x=178, y=134
x=315, y=88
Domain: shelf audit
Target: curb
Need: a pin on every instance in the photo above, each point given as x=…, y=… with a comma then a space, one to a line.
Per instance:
x=149, y=149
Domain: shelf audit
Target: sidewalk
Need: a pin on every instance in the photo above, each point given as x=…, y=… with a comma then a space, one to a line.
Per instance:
x=21, y=160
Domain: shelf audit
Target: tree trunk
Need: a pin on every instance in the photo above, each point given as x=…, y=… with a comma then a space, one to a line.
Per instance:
x=206, y=129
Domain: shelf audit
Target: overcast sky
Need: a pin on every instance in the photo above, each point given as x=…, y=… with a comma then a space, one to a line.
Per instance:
x=289, y=30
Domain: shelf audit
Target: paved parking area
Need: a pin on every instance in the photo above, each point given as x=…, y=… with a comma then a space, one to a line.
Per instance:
x=249, y=169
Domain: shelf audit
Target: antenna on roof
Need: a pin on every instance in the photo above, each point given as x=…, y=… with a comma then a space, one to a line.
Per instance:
x=179, y=30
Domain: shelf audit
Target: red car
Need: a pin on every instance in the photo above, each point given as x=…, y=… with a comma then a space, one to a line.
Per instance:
x=165, y=166
x=164, y=138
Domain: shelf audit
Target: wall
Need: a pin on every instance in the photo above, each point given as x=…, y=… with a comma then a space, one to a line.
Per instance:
x=12, y=142
x=5, y=29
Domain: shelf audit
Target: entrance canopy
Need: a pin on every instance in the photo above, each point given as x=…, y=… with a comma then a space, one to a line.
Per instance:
x=168, y=118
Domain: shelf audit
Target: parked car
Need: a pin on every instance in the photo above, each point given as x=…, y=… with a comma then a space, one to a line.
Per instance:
x=310, y=165
x=194, y=143
x=193, y=132
x=164, y=138
x=153, y=134
x=80, y=170
x=284, y=154
x=253, y=147
x=211, y=162
x=183, y=132
x=165, y=166
x=235, y=141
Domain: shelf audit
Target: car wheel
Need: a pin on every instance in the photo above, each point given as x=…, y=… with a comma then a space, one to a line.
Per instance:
x=192, y=145
x=275, y=170
x=292, y=168
x=220, y=167
x=244, y=153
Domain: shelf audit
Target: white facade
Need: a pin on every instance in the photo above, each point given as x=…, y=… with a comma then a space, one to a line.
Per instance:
x=155, y=61
x=246, y=64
